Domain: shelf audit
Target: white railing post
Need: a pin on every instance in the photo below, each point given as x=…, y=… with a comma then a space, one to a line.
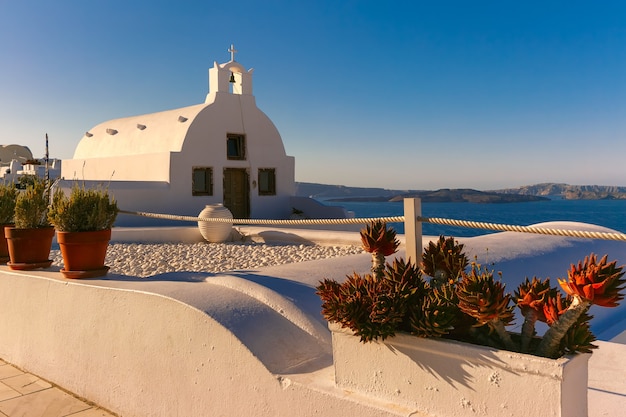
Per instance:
x=413, y=230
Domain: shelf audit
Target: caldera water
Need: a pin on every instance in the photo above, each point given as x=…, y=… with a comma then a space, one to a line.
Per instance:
x=607, y=213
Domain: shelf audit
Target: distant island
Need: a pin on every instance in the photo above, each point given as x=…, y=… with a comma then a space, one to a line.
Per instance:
x=570, y=192
x=537, y=192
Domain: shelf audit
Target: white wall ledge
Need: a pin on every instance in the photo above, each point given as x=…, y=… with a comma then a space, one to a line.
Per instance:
x=165, y=346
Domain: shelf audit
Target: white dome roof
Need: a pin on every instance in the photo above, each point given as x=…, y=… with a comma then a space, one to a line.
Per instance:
x=150, y=133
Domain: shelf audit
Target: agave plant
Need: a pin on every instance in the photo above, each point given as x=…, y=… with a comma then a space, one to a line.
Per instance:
x=469, y=305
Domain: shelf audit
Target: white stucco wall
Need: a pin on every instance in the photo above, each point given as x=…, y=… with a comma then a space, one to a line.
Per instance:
x=133, y=347
x=141, y=167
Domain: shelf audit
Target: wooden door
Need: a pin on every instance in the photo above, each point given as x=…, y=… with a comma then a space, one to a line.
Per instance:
x=237, y=192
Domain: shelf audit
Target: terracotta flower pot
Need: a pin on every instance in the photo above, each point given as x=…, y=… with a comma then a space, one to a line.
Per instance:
x=4, y=247
x=83, y=253
x=29, y=248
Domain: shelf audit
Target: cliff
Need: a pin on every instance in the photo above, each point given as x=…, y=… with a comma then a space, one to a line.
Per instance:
x=508, y=195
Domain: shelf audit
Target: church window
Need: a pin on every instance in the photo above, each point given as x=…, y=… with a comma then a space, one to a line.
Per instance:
x=267, y=181
x=235, y=146
x=202, y=181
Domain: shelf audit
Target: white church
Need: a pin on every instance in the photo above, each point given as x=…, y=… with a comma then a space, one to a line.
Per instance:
x=225, y=150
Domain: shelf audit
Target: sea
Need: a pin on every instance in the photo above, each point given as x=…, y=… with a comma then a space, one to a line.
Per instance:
x=607, y=213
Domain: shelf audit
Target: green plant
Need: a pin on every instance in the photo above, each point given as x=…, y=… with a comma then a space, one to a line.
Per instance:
x=31, y=205
x=84, y=210
x=471, y=305
x=25, y=180
x=8, y=195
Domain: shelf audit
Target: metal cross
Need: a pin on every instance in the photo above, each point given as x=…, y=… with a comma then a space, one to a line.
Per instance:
x=232, y=51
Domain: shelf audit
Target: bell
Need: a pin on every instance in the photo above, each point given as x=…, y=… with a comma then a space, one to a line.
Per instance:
x=232, y=78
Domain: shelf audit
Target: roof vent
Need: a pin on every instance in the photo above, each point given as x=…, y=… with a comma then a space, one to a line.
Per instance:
x=112, y=131
x=88, y=134
x=182, y=119
x=140, y=126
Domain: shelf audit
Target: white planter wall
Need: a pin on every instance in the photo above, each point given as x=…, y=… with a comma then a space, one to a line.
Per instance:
x=447, y=378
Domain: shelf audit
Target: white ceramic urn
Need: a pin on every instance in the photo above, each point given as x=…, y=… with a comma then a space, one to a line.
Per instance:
x=215, y=232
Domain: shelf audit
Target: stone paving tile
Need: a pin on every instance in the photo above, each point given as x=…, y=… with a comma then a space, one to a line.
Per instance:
x=51, y=402
x=7, y=392
x=26, y=383
x=92, y=412
x=26, y=395
x=7, y=371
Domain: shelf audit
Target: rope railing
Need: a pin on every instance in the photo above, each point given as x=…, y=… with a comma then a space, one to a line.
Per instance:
x=525, y=229
x=393, y=219
x=365, y=220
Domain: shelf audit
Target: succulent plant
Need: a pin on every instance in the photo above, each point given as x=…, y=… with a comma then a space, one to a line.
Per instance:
x=469, y=305
x=531, y=298
x=444, y=260
x=437, y=314
x=380, y=241
x=483, y=298
x=595, y=282
x=372, y=307
x=589, y=282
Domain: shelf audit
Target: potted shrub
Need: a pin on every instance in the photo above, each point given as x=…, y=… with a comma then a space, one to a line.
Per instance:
x=8, y=194
x=83, y=222
x=464, y=359
x=29, y=241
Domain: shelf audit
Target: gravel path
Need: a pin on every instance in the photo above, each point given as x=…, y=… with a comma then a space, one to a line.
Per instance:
x=144, y=260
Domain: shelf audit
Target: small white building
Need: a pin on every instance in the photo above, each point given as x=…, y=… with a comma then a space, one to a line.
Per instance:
x=225, y=150
x=17, y=161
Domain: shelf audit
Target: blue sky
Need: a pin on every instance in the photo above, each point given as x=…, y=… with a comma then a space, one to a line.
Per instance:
x=404, y=94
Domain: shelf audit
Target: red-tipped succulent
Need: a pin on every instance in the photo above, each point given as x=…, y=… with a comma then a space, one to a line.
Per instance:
x=380, y=241
x=377, y=238
x=531, y=296
x=553, y=307
x=468, y=305
x=596, y=282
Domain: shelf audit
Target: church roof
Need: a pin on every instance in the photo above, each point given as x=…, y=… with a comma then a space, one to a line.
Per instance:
x=150, y=133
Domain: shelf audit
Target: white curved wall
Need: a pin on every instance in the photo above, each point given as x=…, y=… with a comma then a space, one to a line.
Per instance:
x=120, y=343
